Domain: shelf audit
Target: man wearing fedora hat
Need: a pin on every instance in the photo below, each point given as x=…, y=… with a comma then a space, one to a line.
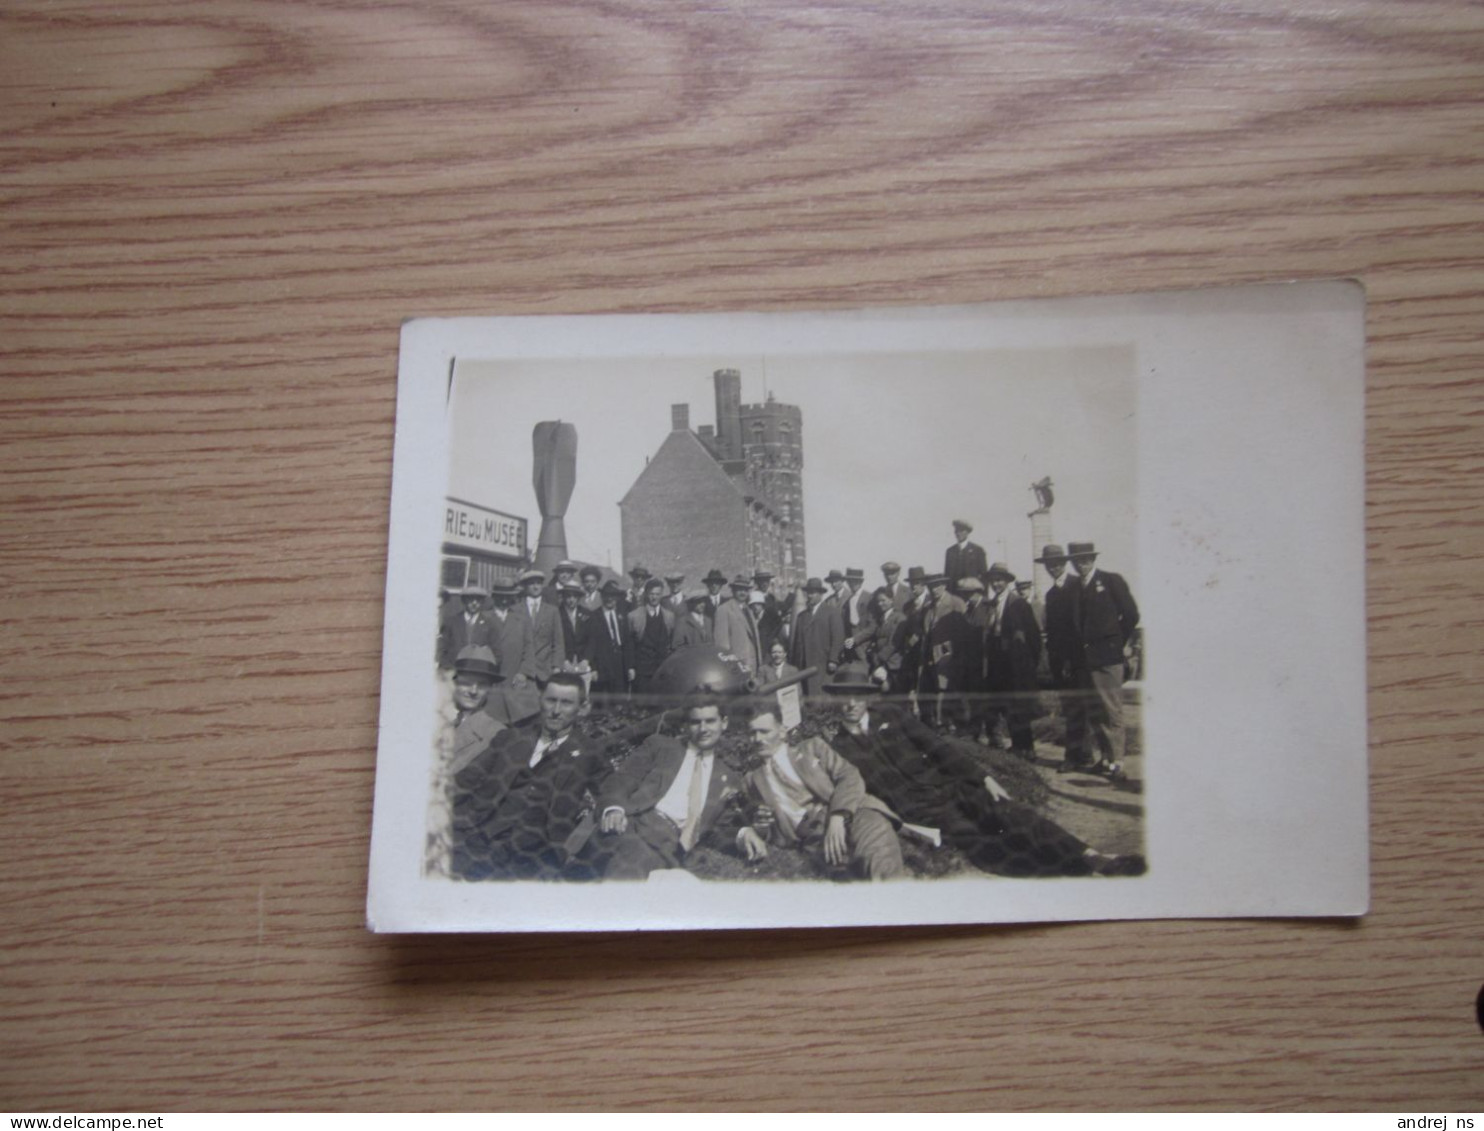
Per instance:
x=972, y=709
x=816, y=636
x=519, y=800
x=964, y=558
x=735, y=631
x=1106, y=619
x=927, y=779
x=485, y=707
x=715, y=582
x=652, y=625
x=543, y=628
x=609, y=646
x=1062, y=649
x=1012, y=655
x=464, y=624
x=695, y=626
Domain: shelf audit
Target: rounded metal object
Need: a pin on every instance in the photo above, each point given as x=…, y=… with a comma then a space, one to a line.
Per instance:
x=699, y=669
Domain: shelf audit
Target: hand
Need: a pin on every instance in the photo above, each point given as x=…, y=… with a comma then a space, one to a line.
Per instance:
x=632, y=674
x=996, y=790
x=752, y=844
x=836, y=850
x=518, y=680
x=614, y=821
x=830, y=667
x=850, y=642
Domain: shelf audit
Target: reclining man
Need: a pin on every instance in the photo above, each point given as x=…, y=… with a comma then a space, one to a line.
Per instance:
x=519, y=800
x=928, y=781
x=816, y=798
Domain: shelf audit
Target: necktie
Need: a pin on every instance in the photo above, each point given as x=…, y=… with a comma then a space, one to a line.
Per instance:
x=613, y=628
x=694, y=805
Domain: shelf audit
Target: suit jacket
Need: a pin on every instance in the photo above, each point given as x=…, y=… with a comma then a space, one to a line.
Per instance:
x=770, y=674
x=901, y=593
x=1014, y=648
x=1106, y=619
x=1062, y=645
x=942, y=629
x=833, y=783
x=574, y=630
x=910, y=767
x=647, y=774
x=688, y=632
x=544, y=649
x=735, y=633
x=610, y=662
x=967, y=560
x=815, y=642
x=887, y=643
x=456, y=633
x=504, y=809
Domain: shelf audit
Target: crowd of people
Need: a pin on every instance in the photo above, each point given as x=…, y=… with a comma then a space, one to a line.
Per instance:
x=930, y=658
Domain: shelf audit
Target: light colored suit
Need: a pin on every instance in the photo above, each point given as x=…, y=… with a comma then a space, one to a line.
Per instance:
x=735, y=633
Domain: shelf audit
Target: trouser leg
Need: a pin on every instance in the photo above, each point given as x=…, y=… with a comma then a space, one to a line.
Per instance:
x=1105, y=709
x=874, y=846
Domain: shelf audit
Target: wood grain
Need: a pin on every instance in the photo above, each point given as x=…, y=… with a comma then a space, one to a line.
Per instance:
x=214, y=218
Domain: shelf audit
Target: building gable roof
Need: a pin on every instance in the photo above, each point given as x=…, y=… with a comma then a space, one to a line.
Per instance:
x=685, y=451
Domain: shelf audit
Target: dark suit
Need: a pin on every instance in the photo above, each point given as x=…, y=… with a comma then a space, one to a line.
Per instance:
x=651, y=645
x=512, y=821
x=1106, y=619
x=815, y=642
x=543, y=639
x=609, y=659
x=967, y=560
x=1013, y=651
x=931, y=780
x=457, y=632
x=574, y=627
x=651, y=839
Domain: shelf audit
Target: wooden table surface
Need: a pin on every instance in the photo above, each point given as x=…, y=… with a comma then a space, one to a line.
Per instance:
x=215, y=216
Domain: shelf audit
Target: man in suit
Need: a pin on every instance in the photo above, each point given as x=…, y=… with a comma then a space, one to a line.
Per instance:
x=518, y=802
x=609, y=646
x=887, y=644
x=816, y=799
x=912, y=613
x=816, y=636
x=964, y=558
x=931, y=780
x=735, y=629
x=674, y=600
x=485, y=706
x=715, y=583
x=543, y=628
x=1106, y=619
x=510, y=639
x=900, y=591
x=573, y=618
x=695, y=626
x=857, y=615
x=1061, y=652
x=973, y=710
x=592, y=597
x=1013, y=653
x=665, y=797
x=562, y=574
x=777, y=668
x=651, y=625
x=463, y=625
x=941, y=625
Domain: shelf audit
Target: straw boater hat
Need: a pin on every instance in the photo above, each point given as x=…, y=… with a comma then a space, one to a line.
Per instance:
x=569, y=587
x=1081, y=550
x=476, y=659
x=1000, y=569
x=741, y=581
x=475, y=591
x=1051, y=552
x=850, y=679
x=532, y=575
x=565, y=566
x=676, y=578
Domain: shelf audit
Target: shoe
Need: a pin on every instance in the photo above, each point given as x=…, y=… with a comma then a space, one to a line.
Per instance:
x=1132, y=864
x=1074, y=768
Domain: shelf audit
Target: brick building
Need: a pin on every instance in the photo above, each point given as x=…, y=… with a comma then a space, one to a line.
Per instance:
x=729, y=496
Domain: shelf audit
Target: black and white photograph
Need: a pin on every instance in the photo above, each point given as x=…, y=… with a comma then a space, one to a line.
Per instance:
x=831, y=621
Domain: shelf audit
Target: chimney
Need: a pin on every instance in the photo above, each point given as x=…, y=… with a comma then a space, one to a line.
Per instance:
x=680, y=418
x=729, y=412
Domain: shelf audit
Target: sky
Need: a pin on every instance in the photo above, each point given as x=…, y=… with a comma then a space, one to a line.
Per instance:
x=896, y=446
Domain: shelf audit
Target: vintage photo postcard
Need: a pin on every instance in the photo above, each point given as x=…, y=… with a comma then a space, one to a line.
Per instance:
x=1034, y=611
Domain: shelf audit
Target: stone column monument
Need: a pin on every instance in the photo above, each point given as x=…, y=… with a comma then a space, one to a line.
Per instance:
x=555, y=474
